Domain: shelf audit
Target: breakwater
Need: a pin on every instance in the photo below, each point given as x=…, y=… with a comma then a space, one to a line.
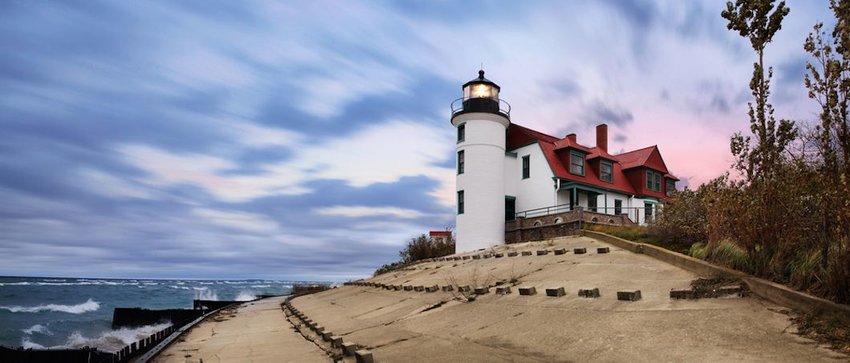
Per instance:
x=122, y=317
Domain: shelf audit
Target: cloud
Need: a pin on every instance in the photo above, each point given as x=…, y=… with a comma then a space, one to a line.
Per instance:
x=598, y=112
x=238, y=220
x=236, y=125
x=362, y=211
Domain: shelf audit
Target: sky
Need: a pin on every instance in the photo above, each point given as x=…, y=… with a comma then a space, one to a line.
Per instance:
x=311, y=139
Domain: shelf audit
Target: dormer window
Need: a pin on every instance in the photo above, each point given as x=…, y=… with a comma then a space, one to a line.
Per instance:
x=606, y=171
x=671, y=187
x=577, y=163
x=653, y=180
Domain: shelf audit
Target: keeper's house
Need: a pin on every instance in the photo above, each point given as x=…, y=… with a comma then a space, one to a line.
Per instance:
x=537, y=184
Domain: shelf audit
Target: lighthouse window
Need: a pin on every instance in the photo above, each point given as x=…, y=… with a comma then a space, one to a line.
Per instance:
x=526, y=167
x=460, y=202
x=605, y=171
x=576, y=163
x=461, y=132
x=460, y=162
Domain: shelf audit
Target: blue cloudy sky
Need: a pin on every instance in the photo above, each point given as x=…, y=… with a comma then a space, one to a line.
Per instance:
x=311, y=139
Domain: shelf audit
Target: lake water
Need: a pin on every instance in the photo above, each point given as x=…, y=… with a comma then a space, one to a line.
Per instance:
x=38, y=312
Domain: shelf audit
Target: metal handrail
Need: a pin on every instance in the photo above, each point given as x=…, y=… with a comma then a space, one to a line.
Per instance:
x=457, y=106
x=556, y=209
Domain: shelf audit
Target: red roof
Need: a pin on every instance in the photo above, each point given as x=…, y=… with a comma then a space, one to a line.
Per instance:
x=439, y=233
x=628, y=167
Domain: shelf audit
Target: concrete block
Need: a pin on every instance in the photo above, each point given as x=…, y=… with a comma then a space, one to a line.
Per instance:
x=481, y=290
x=556, y=292
x=603, y=250
x=363, y=356
x=434, y=288
x=679, y=294
x=527, y=253
x=580, y=251
x=488, y=255
x=476, y=257
x=464, y=288
x=319, y=329
x=466, y=257
x=499, y=255
x=592, y=293
x=527, y=291
x=349, y=348
x=542, y=252
x=336, y=341
x=628, y=295
x=326, y=336
x=448, y=288
x=501, y=282
x=513, y=254
x=419, y=288
x=408, y=288
x=503, y=290
x=560, y=251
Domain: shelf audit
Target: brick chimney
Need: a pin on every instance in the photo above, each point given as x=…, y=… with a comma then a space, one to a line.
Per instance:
x=572, y=138
x=602, y=137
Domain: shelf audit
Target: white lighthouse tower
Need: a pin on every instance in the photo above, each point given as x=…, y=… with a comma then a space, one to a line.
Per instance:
x=481, y=120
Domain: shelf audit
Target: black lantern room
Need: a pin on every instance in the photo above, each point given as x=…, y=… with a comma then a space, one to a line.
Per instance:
x=481, y=95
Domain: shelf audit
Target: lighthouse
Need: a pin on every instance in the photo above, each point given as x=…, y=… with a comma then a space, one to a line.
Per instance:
x=481, y=120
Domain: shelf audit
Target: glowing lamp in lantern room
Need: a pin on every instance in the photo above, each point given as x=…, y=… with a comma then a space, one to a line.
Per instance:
x=481, y=95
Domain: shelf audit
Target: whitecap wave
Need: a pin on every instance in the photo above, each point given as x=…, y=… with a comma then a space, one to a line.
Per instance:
x=205, y=294
x=37, y=328
x=246, y=296
x=28, y=344
x=110, y=341
x=24, y=283
x=85, y=307
x=260, y=286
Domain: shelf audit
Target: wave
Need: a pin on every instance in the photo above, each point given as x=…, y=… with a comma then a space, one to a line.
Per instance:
x=260, y=286
x=14, y=283
x=110, y=341
x=28, y=344
x=204, y=293
x=246, y=296
x=37, y=328
x=85, y=307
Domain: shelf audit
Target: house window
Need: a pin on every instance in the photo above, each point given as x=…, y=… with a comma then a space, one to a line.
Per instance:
x=460, y=162
x=618, y=206
x=653, y=181
x=576, y=163
x=461, y=132
x=647, y=211
x=671, y=187
x=526, y=166
x=460, y=202
x=606, y=171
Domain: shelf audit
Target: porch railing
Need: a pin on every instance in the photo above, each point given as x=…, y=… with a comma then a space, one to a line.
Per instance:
x=632, y=213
